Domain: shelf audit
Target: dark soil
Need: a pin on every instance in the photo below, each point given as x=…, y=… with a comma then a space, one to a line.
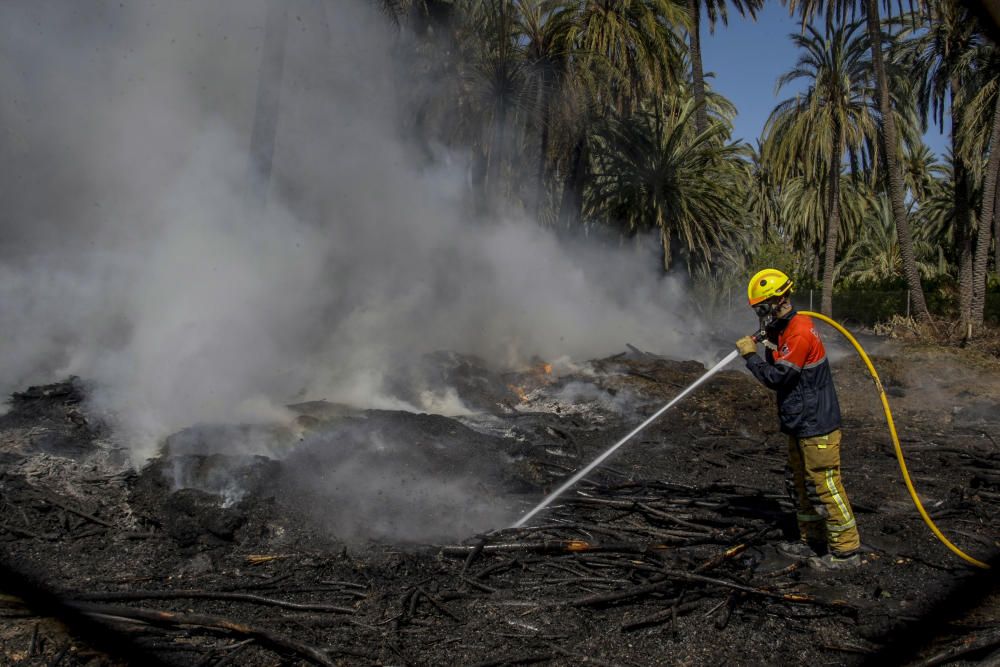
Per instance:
x=376, y=537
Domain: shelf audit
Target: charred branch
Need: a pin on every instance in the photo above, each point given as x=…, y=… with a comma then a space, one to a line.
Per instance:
x=208, y=595
x=215, y=623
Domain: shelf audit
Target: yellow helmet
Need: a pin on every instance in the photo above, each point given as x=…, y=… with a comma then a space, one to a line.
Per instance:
x=766, y=284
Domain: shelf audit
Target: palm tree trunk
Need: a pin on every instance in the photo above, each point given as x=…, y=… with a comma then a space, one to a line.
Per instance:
x=477, y=181
x=572, y=195
x=832, y=227
x=265, y=115
x=543, y=150
x=889, y=144
x=996, y=230
x=697, y=73
x=963, y=242
x=963, y=225
x=498, y=142
x=494, y=167
x=667, y=251
x=985, y=218
x=765, y=224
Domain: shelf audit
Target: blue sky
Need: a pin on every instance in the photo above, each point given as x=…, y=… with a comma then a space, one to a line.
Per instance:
x=746, y=58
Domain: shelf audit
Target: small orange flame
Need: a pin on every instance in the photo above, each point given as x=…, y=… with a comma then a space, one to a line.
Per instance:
x=522, y=394
x=538, y=374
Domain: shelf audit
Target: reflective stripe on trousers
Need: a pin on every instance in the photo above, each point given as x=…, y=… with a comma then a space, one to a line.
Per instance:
x=824, y=511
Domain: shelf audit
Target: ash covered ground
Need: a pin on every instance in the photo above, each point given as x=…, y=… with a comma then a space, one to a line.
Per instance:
x=362, y=537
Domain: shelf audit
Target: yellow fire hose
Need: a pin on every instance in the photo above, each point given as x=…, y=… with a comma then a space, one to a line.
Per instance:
x=895, y=441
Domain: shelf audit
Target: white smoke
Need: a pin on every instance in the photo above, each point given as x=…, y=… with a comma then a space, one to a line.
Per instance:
x=133, y=257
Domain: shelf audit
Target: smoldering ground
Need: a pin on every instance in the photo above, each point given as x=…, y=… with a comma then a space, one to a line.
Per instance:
x=134, y=258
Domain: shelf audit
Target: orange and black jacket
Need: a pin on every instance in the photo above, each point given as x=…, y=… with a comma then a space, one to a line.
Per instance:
x=798, y=370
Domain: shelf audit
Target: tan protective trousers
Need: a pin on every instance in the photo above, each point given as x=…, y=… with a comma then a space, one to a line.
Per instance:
x=824, y=513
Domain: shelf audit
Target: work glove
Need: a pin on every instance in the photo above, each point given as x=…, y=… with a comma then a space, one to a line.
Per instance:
x=746, y=346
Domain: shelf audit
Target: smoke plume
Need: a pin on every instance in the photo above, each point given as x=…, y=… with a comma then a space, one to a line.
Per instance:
x=134, y=257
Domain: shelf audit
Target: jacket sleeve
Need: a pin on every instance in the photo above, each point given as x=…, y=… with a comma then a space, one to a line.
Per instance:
x=788, y=362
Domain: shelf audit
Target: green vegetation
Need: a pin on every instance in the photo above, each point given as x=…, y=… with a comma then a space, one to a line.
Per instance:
x=595, y=114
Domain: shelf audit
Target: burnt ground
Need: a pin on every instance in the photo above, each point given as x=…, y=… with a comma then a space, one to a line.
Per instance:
x=360, y=537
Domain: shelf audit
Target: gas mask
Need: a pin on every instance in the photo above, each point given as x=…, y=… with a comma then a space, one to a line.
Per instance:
x=766, y=312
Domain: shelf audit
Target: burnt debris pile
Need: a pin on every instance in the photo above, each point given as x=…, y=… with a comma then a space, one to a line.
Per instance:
x=350, y=536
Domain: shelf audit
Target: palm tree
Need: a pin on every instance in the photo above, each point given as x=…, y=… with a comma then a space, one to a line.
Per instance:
x=920, y=166
x=934, y=217
x=939, y=52
x=979, y=113
x=984, y=112
x=813, y=130
x=715, y=10
x=637, y=42
x=986, y=213
x=804, y=217
x=764, y=193
x=836, y=11
x=650, y=173
x=632, y=50
x=450, y=90
x=474, y=85
x=805, y=213
x=500, y=78
x=545, y=28
x=875, y=258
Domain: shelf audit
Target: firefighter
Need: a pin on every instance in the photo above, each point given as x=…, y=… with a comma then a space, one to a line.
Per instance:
x=796, y=368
